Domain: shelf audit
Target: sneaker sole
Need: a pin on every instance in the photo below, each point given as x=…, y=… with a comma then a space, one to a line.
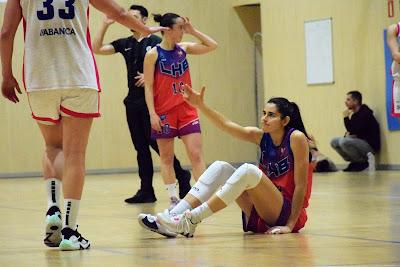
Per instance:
x=169, y=235
x=53, y=231
x=67, y=245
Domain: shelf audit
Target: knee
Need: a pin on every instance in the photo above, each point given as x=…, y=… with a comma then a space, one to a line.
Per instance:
x=250, y=174
x=53, y=148
x=345, y=142
x=335, y=142
x=223, y=166
x=167, y=158
x=196, y=155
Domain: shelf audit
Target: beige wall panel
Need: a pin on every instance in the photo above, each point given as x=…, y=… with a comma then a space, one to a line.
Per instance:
x=358, y=64
x=227, y=72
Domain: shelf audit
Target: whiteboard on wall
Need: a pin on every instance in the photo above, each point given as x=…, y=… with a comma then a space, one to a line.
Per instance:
x=319, y=53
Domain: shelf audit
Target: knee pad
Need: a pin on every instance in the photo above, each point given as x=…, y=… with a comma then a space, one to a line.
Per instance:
x=247, y=174
x=214, y=177
x=245, y=177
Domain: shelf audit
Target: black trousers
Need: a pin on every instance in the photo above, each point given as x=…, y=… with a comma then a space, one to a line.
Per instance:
x=138, y=119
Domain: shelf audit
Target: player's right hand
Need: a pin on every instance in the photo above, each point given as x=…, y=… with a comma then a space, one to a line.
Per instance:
x=8, y=88
x=155, y=122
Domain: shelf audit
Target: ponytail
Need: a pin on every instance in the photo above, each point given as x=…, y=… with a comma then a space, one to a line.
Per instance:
x=290, y=109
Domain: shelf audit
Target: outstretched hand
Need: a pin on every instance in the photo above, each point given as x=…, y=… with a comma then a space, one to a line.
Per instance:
x=193, y=97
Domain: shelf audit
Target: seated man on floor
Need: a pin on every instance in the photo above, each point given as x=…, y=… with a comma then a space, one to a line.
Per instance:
x=362, y=139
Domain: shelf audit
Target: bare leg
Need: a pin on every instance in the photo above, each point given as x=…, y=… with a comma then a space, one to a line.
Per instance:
x=194, y=150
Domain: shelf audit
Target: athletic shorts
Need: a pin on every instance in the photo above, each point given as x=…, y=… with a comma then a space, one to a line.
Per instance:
x=395, y=90
x=256, y=224
x=48, y=106
x=179, y=121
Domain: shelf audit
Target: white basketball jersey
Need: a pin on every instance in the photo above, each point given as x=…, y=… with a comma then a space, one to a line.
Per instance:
x=58, y=52
x=396, y=83
x=395, y=66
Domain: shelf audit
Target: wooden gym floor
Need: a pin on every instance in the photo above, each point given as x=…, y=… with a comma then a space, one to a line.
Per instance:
x=354, y=219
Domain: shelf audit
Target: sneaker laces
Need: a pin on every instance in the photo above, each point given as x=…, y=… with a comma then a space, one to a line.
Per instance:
x=184, y=223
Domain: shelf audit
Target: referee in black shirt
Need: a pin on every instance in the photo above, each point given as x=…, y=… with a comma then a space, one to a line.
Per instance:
x=134, y=49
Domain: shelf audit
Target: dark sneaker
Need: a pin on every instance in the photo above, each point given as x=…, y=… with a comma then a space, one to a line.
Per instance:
x=53, y=221
x=73, y=240
x=360, y=166
x=184, y=183
x=141, y=197
x=351, y=167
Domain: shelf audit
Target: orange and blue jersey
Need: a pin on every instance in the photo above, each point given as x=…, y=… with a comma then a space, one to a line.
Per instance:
x=170, y=74
x=277, y=163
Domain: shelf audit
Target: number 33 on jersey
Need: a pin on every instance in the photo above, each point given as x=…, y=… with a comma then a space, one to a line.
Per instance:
x=57, y=32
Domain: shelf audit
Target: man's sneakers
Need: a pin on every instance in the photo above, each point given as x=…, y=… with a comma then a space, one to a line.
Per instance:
x=178, y=224
x=356, y=167
x=141, y=197
x=73, y=240
x=149, y=222
x=53, y=222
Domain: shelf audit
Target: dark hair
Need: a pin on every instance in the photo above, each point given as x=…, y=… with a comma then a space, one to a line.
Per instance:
x=143, y=11
x=166, y=20
x=356, y=95
x=290, y=109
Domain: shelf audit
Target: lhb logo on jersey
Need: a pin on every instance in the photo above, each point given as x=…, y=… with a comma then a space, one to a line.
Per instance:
x=176, y=69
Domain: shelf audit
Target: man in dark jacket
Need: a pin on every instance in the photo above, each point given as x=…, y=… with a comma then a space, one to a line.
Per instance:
x=362, y=139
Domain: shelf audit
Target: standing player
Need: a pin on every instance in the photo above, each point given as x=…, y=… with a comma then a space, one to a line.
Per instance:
x=134, y=48
x=62, y=84
x=166, y=69
x=393, y=34
x=273, y=196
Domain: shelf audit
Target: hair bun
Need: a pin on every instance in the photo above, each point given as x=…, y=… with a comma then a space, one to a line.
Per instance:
x=157, y=17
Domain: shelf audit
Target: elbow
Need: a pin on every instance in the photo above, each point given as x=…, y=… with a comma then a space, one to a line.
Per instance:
x=213, y=46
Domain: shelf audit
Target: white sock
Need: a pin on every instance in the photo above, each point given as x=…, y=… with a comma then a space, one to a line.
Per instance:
x=182, y=206
x=171, y=189
x=53, y=192
x=200, y=213
x=71, y=208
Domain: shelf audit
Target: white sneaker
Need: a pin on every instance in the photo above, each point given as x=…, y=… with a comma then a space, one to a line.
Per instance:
x=73, y=240
x=149, y=222
x=179, y=224
x=53, y=227
x=371, y=162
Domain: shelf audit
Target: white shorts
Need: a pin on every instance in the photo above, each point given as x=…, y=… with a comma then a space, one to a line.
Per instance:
x=48, y=106
x=396, y=90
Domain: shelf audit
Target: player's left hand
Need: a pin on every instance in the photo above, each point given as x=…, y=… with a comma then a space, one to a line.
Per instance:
x=279, y=230
x=187, y=27
x=140, y=80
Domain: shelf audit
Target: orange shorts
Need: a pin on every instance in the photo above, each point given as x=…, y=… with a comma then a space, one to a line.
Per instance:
x=179, y=121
